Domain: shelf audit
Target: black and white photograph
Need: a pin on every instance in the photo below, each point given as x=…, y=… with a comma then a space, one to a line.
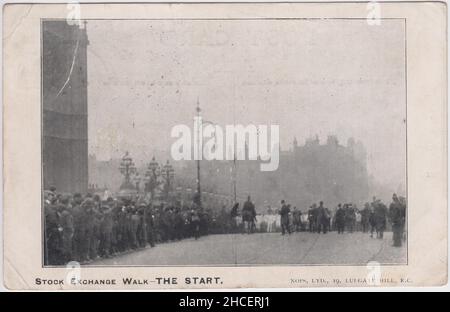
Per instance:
x=224, y=142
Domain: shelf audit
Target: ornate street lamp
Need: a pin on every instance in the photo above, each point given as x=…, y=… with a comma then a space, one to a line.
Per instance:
x=168, y=174
x=152, y=174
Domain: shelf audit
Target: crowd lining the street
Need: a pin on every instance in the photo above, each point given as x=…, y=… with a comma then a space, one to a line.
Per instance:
x=85, y=228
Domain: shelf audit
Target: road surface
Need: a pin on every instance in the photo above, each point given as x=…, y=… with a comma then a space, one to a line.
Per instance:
x=267, y=249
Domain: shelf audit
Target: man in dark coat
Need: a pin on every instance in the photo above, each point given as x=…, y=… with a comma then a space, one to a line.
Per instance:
x=134, y=226
x=53, y=235
x=67, y=225
x=122, y=233
x=106, y=230
x=150, y=223
x=372, y=221
x=397, y=218
x=205, y=220
x=249, y=215
x=323, y=219
x=284, y=213
x=89, y=221
x=365, y=214
x=178, y=224
x=78, y=234
x=380, y=218
x=194, y=223
x=141, y=234
x=340, y=219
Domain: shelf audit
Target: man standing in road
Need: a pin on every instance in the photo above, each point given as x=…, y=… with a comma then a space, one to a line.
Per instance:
x=340, y=219
x=249, y=215
x=284, y=213
x=323, y=219
x=380, y=218
x=397, y=218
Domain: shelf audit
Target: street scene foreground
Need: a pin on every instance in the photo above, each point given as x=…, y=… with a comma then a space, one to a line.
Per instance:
x=302, y=248
x=126, y=177
x=87, y=228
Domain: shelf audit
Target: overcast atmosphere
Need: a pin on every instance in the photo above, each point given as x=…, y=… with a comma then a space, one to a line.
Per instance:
x=323, y=77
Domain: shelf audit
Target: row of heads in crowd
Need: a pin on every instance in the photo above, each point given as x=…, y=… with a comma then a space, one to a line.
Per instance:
x=376, y=202
x=90, y=201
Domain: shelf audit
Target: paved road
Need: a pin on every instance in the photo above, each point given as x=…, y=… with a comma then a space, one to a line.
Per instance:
x=267, y=248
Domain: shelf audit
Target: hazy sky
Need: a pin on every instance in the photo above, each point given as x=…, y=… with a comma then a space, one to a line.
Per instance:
x=321, y=77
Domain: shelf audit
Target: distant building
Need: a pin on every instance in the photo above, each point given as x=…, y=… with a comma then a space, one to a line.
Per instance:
x=306, y=174
x=64, y=106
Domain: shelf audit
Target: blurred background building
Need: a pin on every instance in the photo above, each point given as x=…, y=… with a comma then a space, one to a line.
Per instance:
x=64, y=106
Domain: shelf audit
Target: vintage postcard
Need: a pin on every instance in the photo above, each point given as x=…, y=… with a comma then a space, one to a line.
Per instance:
x=224, y=145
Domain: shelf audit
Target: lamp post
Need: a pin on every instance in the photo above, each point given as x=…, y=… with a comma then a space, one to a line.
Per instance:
x=233, y=171
x=199, y=189
x=200, y=152
x=152, y=182
x=168, y=174
x=152, y=174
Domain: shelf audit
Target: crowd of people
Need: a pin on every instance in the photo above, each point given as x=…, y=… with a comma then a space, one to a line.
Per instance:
x=84, y=228
x=374, y=218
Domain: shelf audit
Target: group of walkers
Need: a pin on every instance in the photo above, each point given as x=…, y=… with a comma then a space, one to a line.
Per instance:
x=373, y=218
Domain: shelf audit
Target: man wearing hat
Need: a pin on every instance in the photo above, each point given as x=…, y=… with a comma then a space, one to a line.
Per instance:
x=284, y=214
x=106, y=230
x=78, y=219
x=87, y=229
x=249, y=214
x=53, y=236
x=397, y=218
x=380, y=218
x=66, y=223
x=141, y=235
x=323, y=218
x=340, y=219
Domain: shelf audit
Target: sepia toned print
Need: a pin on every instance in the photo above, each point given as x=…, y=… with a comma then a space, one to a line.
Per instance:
x=155, y=138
